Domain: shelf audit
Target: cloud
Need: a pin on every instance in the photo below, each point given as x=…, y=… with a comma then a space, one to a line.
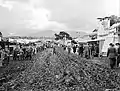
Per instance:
x=40, y=20
x=6, y=4
x=29, y=14
x=112, y=7
x=81, y=14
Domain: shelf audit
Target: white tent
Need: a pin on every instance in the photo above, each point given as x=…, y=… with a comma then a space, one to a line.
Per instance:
x=11, y=40
x=20, y=41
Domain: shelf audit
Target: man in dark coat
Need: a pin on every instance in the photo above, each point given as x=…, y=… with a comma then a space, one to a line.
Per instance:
x=80, y=50
x=111, y=54
x=64, y=47
x=74, y=49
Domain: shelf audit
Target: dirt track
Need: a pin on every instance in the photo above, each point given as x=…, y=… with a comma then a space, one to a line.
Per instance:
x=60, y=72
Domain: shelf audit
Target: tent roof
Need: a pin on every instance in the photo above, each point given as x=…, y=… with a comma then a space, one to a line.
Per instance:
x=80, y=40
x=98, y=39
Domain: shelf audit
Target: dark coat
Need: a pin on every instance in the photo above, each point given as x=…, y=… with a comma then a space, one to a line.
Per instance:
x=80, y=49
x=111, y=53
x=74, y=49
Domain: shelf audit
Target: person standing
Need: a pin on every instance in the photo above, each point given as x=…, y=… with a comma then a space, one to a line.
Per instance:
x=64, y=47
x=74, y=49
x=6, y=57
x=54, y=49
x=16, y=53
x=116, y=46
x=111, y=54
x=1, y=56
x=24, y=52
x=96, y=50
x=118, y=55
x=87, y=51
x=92, y=51
x=80, y=50
x=21, y=54
x=69, y=49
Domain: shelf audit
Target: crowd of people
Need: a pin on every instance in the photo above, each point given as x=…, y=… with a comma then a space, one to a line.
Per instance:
x=88, y=51
x=23, y=52
x=19, y=52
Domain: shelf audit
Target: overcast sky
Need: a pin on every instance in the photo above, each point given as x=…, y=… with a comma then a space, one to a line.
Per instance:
x=30, y=16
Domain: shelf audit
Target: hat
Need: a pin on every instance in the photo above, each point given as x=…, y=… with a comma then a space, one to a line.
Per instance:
x=117, y=44
x=111, y=44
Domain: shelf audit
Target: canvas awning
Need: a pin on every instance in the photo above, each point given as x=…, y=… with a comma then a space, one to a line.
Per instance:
x=98, y=39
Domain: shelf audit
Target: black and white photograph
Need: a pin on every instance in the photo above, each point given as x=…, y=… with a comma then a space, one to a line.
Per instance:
x=59, y=45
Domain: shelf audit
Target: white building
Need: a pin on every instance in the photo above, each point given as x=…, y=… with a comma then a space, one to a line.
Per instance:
x=108, y=34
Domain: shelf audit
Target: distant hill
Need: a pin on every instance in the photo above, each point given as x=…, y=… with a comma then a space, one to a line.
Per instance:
x=76, y=33
x=46, y=33
x=50, y=33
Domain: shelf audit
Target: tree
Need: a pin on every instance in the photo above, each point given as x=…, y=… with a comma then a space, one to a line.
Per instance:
x=57, y=37
x=114, y=19
x=94, y=36
x=62, y=35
